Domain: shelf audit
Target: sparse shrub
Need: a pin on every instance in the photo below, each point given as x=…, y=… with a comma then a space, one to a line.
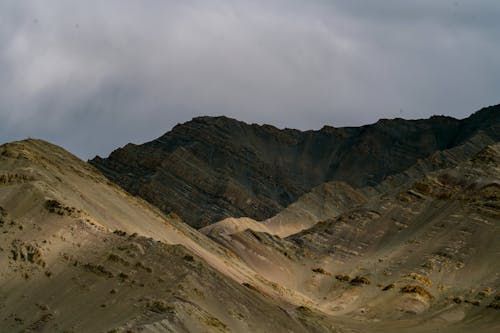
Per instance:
x=214, y=322
x=116, y=258
x=120, y=233
x=473, y=302
x=413, y=289
x=3, y=212
x=188, y=258
x=343, y=278
x=359, y=280
x=141, y=265
x=54, y=206
x=494, y=305
x=158, y=306
x=27, y=252
x=458, y=299
x=3, y=216
x=486, y=292
x=419, y=278
x=304, y=309
x=320, y=270
x=98, y=270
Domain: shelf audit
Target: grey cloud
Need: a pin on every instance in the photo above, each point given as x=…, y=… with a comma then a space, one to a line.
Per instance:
x=95, y=75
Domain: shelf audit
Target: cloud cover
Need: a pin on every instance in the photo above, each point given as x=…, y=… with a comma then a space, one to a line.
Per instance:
x=94, y=75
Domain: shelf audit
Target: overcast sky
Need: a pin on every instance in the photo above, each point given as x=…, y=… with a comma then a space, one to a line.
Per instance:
x=94, y=75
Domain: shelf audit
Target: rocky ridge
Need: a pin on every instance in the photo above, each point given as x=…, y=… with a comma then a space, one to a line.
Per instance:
x=211, y=168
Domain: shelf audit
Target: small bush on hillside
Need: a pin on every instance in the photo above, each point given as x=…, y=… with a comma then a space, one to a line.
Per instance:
x=419, y=278
x=343, y=278
x=320, y=270
x=359, y=280
x=412, y=289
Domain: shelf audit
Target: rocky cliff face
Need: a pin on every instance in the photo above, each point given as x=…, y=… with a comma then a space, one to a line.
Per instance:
x=212, y=168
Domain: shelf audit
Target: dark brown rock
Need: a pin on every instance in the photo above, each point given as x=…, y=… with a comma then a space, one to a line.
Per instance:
x=211, y=168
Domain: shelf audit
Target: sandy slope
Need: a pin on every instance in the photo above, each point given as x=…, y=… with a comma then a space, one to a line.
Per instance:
x=78, y=254
x=432, y=244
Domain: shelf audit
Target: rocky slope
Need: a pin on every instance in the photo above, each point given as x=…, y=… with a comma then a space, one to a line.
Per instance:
x=419, y=258
x=78, y=254
x=325, y=201
x=419, y=253
x=211, y=168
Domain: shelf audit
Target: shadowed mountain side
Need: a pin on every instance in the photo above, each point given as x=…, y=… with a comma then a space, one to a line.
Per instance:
x=439, y=160
x=421, y=258
x=79, y=254
x=212, y=168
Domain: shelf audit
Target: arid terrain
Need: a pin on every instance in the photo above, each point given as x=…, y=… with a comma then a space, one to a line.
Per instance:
x=221, y=226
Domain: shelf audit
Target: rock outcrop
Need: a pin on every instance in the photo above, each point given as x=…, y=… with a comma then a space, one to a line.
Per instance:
x=209, y=169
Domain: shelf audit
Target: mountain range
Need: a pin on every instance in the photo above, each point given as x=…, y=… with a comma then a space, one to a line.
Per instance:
x=223, y=226
x=211, y=168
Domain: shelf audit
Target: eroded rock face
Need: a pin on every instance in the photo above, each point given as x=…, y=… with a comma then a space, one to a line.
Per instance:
x=212, y=168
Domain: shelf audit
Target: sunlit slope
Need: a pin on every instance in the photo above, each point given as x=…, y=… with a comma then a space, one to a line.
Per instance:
x=79, y=254
x=425, y=255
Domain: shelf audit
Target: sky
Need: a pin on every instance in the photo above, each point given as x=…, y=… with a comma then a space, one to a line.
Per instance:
x=94, y=75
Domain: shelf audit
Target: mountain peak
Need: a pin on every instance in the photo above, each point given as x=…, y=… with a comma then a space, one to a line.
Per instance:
x=211, y=168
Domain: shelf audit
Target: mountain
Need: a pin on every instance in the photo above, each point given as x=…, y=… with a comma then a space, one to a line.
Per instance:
x=417, y=252
x=78, y=254
x=209, y=169
x=421, y=257
x=325, y=201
